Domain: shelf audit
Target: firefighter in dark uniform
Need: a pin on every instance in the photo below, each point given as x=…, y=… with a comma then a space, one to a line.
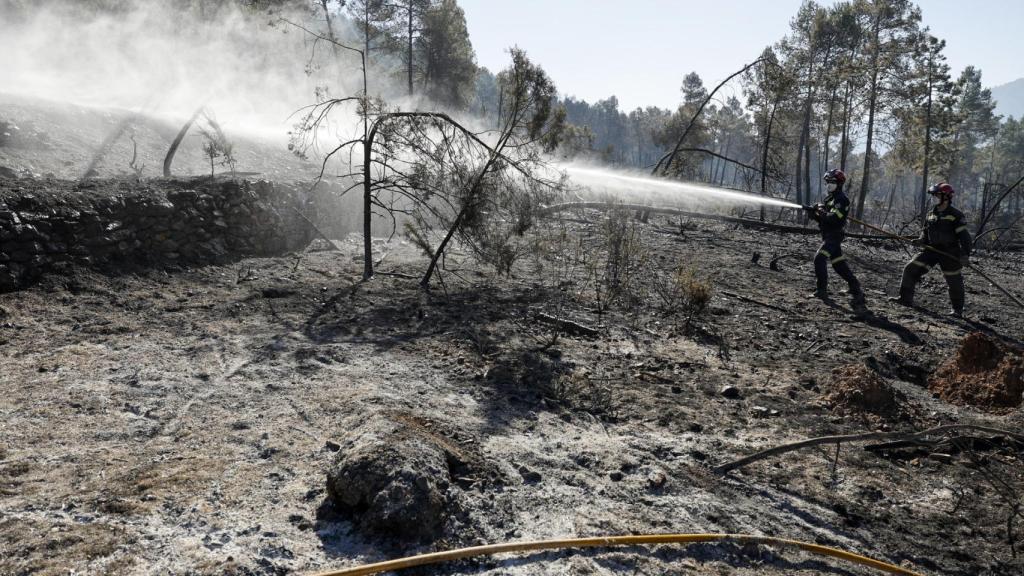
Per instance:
x=947, y=243
x=831, y=218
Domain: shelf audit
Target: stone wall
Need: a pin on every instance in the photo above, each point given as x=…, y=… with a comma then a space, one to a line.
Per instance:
x=110, y=224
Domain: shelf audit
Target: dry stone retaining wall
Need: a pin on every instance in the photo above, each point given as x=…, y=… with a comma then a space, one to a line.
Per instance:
x=109, y=224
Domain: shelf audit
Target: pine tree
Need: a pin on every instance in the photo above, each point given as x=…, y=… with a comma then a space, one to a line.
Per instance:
x=449, y=63
x=929, y=104
x=976, y=124
x=892, y=28
x=407, y=24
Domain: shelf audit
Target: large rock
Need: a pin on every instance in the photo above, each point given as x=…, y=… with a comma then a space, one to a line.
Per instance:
x=392, y=477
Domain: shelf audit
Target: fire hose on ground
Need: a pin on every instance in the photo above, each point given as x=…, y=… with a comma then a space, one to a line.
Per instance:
x=643, y=539
x=608, y=541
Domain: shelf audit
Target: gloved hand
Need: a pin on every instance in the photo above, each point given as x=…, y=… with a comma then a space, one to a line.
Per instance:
x=965, y=260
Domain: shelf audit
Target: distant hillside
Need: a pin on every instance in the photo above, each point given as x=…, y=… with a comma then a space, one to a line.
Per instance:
x=1010, y=98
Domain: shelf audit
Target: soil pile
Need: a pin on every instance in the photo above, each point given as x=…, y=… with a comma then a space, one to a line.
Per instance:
x=391, y=478
x=985, y=373
x=857, y=390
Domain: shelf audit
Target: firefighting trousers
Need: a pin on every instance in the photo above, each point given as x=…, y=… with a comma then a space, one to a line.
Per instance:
x=831, y=252
x=922, y=263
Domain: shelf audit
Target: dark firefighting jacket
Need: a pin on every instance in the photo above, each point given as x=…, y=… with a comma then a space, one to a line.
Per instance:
x=832, y=217
x=946, y=230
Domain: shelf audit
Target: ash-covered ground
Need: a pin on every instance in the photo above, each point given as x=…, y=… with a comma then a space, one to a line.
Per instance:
x=183, y=421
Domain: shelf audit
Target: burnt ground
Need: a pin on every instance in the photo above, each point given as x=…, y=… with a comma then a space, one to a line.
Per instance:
x=182, y=421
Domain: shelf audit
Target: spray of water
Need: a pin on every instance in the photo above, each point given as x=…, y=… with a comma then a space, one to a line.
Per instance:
x=163, y=60
x=631, y=187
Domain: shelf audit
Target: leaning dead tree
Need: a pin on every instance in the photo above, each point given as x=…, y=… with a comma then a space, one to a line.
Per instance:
x=434, y=171
x=497, y=190
x=173, y=149
x=668, y=160
x=108, y=143
x=987, y=216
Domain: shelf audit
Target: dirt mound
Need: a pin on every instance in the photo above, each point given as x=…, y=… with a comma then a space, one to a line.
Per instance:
x=857, y=390
x=985, y=373
x=392, y=478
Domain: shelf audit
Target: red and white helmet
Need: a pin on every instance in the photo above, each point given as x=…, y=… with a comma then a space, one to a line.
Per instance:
x=943, y=190
x=835, y=175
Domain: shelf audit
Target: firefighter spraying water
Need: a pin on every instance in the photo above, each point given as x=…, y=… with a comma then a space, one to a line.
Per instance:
x=945, y=239
x=831, y=218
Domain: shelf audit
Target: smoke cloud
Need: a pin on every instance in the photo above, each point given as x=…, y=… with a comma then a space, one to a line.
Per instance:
x=252, y=70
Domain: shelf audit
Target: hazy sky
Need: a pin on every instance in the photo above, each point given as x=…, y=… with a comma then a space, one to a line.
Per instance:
x=639, y=50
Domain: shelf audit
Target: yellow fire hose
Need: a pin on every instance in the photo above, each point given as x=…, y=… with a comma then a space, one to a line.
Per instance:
x=940, y=253
x=632, y=540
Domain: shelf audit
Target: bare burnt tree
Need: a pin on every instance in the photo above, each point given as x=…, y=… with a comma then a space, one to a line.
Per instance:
x=432, y=168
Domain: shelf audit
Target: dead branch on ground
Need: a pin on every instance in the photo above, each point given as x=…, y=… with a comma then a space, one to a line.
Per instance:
x=758, y=302
x=868, y=436
x=568, y=326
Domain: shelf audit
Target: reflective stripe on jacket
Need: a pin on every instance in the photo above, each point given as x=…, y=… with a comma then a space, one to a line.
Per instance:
x=947, y=231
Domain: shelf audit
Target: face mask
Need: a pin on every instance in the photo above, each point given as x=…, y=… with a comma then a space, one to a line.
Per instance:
x=831, y=187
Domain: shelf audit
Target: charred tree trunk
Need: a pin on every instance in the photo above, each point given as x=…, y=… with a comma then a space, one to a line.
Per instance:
x=408, y=54
x=844, y=143
x=764, y=155
x=425, y=281
x=797, y=177
x=107, y=144
x=169, y=158
x=927, y=148
x=803, y=187
x=728, y=147
x=988, y=216
x=865, y=182
x=826, y=151
x=807, y=166
x=330, y=25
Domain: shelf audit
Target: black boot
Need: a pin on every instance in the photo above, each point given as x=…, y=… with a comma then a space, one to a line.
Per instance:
x=956, y=295
x=902, y=300
x=853, y=285
x=906, y=297
x=820, y=277
x=911, y=276
x=857, y=299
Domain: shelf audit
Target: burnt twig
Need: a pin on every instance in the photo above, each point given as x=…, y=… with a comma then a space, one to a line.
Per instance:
x=568, y=325
x=867, y=436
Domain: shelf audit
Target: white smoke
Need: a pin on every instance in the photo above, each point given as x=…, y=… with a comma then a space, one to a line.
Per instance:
x=251, y=69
